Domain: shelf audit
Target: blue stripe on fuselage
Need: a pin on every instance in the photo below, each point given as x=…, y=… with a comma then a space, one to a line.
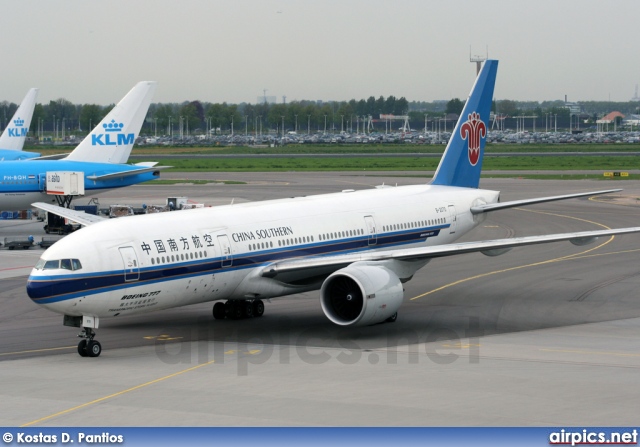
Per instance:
x=55, y=288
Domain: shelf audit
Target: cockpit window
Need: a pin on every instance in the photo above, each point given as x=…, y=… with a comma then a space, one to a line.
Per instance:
x=50, y=265
x=66, y=264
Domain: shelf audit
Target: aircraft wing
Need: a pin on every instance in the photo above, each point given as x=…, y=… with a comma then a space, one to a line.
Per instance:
x=77, y=216
x=126, y=173
x=303, y=268
x=500, y=206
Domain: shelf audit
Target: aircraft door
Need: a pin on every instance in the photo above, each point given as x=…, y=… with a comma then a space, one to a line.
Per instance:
x=371, y=230
x=131, y=265
x=42, y=182
x=225, y=250
x=74, y=184
x=454, y=219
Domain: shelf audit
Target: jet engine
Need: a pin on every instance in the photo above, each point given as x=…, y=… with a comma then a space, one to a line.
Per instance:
x=361, y=294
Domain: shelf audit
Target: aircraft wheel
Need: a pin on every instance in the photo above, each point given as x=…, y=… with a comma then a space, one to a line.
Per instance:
x=219, y=311
x=236, y=310
x=247, y=309
x=94, y=349
x=82, y=348
x=392, y=318
x=258, y=308
x=228, y=306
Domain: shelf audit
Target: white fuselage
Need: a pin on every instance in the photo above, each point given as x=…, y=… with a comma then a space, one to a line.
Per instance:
x=143, y=263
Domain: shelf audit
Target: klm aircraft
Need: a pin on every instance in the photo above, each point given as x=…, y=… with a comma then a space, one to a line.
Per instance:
x=100, y=156
x=15, y=134
x=356, y=247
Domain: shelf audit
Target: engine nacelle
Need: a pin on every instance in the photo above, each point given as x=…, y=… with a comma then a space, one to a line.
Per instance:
x=361, y=294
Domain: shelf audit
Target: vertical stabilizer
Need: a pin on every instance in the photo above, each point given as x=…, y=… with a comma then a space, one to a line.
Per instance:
x=461, y=162
x=15, y=133
x=112, y=140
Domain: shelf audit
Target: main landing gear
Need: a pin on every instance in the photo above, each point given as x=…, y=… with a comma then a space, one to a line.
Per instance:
x=238, y=309
x=89, y=347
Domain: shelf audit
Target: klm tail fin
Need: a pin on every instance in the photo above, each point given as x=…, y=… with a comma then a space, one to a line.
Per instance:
x=461, y=162
x=112, y=140
x=15, y=133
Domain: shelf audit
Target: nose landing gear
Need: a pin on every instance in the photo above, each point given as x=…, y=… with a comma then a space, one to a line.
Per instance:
x=89, y=347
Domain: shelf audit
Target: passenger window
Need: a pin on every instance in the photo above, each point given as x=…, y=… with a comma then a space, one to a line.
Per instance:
x=65, y=264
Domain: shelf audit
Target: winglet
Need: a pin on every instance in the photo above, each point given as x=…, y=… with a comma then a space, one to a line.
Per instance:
x=15, y=133
x=111, y=141
x=461, y=162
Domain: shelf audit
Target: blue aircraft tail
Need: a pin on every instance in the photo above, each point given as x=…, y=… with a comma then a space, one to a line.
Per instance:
x=461, y=162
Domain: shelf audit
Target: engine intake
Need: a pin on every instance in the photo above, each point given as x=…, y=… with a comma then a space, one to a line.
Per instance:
x=361, y=294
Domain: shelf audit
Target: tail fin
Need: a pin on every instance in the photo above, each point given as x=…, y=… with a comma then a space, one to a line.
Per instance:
x=111, y=141
x=15, y=133
x=461, y=162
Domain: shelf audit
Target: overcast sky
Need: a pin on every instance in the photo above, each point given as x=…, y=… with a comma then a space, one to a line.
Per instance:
x=91, y=51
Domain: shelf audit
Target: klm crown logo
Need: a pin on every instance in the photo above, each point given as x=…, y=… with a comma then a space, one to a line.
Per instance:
x=19, y=131
x=113, y=135
x=113, y=126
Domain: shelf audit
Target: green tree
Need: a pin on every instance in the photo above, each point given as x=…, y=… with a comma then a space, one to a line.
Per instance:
x=38, y=115
x=189, y=116
x=401, y=106
x=90, y=116
x=507, y=107
x=166, y=116
x=455, y=106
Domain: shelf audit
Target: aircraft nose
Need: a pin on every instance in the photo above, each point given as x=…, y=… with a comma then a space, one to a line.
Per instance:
x=38, y=290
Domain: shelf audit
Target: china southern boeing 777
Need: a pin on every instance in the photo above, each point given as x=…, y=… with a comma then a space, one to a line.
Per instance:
x=100, y=156
x=356, y=247
x=15, y=134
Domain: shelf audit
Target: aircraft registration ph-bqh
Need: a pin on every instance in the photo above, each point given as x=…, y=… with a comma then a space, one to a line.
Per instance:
x=357, y=247
x=15, y=134
x=100, y=156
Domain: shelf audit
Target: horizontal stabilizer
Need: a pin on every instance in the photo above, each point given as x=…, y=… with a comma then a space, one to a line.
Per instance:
x=77, y=216
x=126, y=173
x=50, y=157
x=503, y=205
